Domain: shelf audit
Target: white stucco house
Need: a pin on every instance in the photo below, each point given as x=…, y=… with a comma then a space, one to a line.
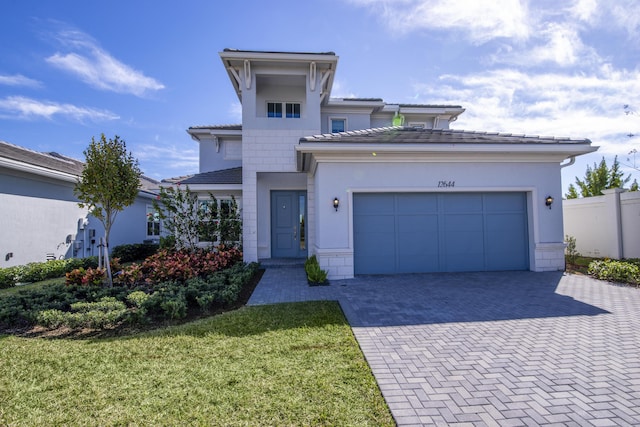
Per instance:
x=41, y=218
x=372, y=187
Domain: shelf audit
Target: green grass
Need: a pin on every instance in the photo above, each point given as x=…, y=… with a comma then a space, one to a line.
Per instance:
x=285, y=364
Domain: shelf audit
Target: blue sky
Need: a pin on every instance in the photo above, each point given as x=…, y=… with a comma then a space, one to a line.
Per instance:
x=146, y=70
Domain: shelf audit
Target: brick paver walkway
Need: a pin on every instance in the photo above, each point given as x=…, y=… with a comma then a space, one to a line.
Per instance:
x=508, y=349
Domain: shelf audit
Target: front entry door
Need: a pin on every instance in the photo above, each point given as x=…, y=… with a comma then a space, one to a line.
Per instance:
x=288, y=224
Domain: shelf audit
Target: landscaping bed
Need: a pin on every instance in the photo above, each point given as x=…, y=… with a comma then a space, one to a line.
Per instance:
x=168, y=287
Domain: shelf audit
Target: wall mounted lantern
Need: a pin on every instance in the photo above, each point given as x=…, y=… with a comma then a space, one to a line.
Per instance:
x=548, y=201
x=336, y=203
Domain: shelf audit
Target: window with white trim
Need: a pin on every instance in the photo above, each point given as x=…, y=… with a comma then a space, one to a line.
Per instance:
x=292, y=109
x=274, y=109
x=338, y=125
x=153, y=222
x=221, y=223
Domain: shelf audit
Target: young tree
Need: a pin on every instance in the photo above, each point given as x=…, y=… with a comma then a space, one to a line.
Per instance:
x=189, y=221
x=601, y=177
x=109, y=183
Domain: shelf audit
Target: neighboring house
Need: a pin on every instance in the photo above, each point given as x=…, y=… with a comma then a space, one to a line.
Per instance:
x=371, y=187
x=41, y=218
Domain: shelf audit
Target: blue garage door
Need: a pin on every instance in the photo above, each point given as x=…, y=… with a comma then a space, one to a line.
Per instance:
x=426, y=232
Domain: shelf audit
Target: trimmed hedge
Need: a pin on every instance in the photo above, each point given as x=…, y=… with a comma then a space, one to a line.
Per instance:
x=100, y=307
x=37, y=271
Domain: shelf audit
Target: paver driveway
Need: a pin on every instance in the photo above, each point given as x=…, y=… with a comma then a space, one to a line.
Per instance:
x=512, y=348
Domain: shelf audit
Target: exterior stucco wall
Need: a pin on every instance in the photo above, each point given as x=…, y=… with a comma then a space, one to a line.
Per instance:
x=213, y=158
x=334, y=244
x=37, y=217
x=41, y=216
x=355, y=121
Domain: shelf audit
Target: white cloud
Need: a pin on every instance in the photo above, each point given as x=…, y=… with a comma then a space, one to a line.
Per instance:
x=98, y=68
x=585, y=10
x=578, y=105
x=554, y=44
x=625, y=15
x=154, y=157
x=19, y=80
x=340, y=90
x=19, y=107
x=235, y=112
x=480, y=21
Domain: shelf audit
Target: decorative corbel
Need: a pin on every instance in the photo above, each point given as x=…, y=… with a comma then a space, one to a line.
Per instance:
x=312, y=76
x=323, y=82
x=247, y=74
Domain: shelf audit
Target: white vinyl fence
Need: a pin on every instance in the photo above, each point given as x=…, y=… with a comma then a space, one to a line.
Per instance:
x=605, y=226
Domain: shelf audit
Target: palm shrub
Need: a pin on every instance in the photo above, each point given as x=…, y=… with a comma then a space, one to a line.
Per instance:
x=315, y=275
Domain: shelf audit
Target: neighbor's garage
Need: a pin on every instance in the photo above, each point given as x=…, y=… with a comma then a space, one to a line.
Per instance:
x=443, y=232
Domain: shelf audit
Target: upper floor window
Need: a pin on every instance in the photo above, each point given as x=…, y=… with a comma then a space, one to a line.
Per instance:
x=338, y=125
x=292, y=109
x=274, y=109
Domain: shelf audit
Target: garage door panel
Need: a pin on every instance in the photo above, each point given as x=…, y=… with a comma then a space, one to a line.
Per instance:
x=374, y=203
x=419, y=203
x=506, y=242
x=504, y=202
x=461, y=202
x=428, y=232
x=418, y=224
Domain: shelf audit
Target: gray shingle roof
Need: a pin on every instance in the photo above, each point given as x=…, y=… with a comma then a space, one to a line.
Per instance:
x=224, y=176
x=408, y=135
x=271, y=51
x=55, y=162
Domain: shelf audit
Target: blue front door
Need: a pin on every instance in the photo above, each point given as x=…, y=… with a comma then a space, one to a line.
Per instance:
x=288, y=224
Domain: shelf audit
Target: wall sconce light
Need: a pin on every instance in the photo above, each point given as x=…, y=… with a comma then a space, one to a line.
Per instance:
x=548, y=201
x=336, y=203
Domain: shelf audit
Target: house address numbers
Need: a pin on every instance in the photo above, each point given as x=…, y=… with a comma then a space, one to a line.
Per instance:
x=446, y=184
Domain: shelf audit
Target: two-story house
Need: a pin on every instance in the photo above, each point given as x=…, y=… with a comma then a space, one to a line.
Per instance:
x=371, y=187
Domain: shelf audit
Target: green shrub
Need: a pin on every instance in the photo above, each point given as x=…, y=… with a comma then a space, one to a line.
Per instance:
x=96, y=306
x=570, y=251
x=315, y=275
x=8, y=277
x=38, y=271
x=101, y=314
x=134, y=252
x=615, y=271
x=137, y=298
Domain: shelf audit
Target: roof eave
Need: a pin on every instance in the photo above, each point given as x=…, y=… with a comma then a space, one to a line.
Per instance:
x=310, y=153
x=37, y=170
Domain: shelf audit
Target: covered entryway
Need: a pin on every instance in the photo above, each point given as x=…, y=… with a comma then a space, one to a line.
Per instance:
x=439, y=232
x=288, y=228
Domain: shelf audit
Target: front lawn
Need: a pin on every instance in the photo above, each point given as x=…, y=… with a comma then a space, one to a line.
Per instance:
x=286, y=364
